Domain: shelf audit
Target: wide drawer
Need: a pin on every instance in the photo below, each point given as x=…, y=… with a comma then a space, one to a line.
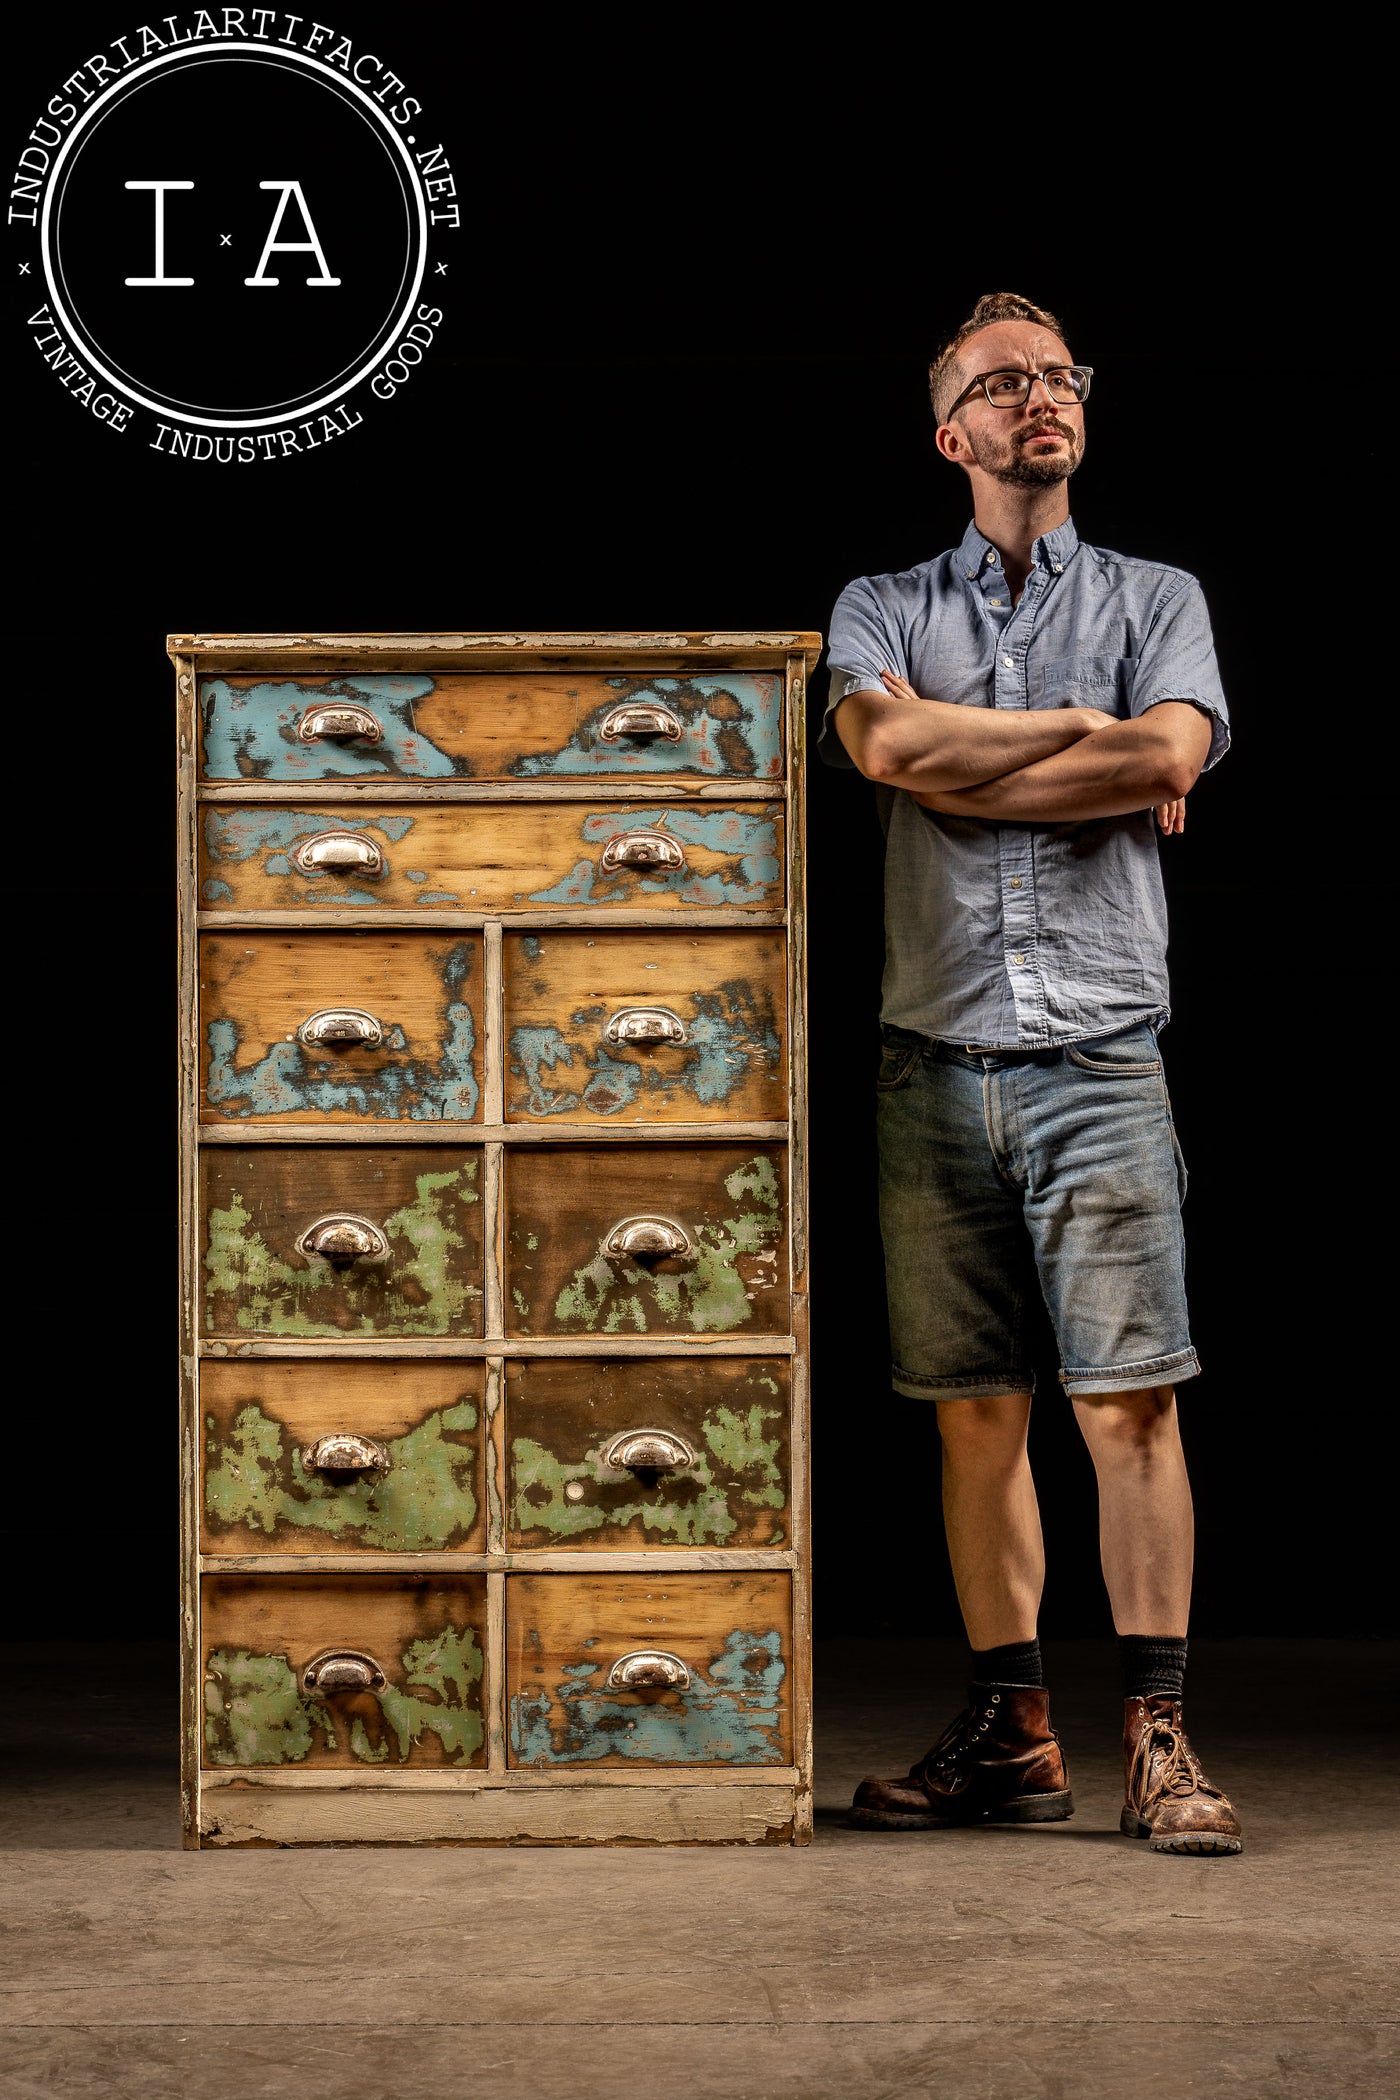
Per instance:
x=336, y=1027
x=492, y=725
x=646, y=1239
x=646, y=1026
x=353, y=1671
x=649, y=1669
x=492, y=857
x=284, y=1225
x=658, y=1452
x=334, y=1457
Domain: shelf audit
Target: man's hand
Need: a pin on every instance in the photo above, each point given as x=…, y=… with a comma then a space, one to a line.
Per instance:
x=935, y=746
x=1172, y=816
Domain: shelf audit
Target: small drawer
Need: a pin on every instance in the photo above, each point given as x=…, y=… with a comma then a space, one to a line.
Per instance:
x=334, y=1457
x=646, y=1239
x=359, y=1239
x=492, y=857
x=660, y=1452
x=357, y=1670
x=493, y=725
x=646, y=1027
x=649, y=1669
x=335, y=1028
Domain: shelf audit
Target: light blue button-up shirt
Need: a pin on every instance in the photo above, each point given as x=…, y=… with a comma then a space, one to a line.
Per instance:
x=1020, y=936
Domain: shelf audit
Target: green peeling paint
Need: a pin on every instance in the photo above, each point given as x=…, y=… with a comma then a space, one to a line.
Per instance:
x=255, y=1712
x=696, y=1509
x=732, y=1715
x=426, y=1503
x=416, y=1292
x=610, y=1293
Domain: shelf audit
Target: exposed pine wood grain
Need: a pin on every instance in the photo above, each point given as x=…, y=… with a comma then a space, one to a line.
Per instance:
x=506, y=857
x=659, y=788
x=564, y=1633
x=542, y=1345
x=340, y=918
x=725, y=987
x=551, y=1133
x=577, y=1815
x=561, y=1207
x=695, y=1559
x=426, y=990
x=730, y=1413
x=260, y=1498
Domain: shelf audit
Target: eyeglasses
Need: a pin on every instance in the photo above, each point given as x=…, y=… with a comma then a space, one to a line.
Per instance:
x=1067, y=384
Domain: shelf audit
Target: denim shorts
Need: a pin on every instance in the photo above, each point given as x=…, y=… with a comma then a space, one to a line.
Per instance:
x=1007, y=1173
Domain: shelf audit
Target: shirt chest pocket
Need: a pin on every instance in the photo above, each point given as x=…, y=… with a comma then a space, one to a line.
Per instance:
x=1105, y=682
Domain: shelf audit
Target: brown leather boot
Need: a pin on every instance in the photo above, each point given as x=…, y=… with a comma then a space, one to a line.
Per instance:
x=1170, y=1800
x=999, y=1762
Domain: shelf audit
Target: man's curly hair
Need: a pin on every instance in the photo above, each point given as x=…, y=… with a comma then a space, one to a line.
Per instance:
x=945, y=374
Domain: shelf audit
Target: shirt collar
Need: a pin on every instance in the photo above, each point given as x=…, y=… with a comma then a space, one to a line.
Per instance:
x=1053, y=551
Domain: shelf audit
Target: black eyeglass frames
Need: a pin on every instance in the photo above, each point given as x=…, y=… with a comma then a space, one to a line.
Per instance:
x=1066, y=384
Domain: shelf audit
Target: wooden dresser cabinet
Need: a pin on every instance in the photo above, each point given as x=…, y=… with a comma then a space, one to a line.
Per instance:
x=494, y=1293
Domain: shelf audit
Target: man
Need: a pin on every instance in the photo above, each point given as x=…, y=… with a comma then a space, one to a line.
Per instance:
x=1032, y=701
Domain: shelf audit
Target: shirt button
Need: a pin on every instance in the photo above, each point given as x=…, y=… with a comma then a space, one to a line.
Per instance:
x=1018, y=958
x=991, y=557
x=1010, y=662
x=1056, y=566
x=1015, y=882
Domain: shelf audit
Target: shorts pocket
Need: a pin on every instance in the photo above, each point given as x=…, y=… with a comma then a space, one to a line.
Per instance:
x=897, y=1062
x=1116, y=1058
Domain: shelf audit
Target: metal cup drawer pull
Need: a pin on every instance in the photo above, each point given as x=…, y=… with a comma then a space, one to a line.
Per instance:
x=336, y=718
x=343, y=1670
x=648, y=1451
x=343, y=1453
x=639, y=718
x=642, y=849
x=645, y=1024
x=340, y=852
x=648, y=1239
x=646, y=1668
x=341, y=1239
x=340, y=1024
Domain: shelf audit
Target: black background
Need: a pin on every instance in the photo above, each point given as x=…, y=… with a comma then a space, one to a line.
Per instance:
x=681, y=384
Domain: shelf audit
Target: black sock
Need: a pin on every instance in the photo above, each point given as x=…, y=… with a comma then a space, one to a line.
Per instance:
x=1152, y=1663
x=1017, y=1663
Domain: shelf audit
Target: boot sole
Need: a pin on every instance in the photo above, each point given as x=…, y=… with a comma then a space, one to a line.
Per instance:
x=1028, y=1808
x=1203, y=1844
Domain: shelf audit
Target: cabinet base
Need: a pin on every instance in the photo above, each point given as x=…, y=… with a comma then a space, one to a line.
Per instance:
x=249, y=1814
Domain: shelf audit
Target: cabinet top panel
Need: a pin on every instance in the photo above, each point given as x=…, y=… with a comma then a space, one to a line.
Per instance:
x=628, y=649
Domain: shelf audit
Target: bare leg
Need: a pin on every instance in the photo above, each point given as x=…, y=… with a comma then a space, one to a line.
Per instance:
x=993, y=1523
x=1146, y=1528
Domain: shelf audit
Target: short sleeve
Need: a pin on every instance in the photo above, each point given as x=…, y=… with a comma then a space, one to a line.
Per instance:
x=859, y=648
x=1177, y=662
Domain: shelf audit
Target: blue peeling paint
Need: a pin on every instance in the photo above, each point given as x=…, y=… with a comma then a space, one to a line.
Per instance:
x=731, y=723
x=250, y=732
x=731, y=1716
x=292, y=1080
x=728, y=1032
x=746, y=837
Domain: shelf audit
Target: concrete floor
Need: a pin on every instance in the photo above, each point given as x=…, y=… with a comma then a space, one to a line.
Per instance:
x=1062, y=1963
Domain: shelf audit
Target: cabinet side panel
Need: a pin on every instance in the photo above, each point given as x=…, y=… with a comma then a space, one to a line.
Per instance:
x=187, y=1052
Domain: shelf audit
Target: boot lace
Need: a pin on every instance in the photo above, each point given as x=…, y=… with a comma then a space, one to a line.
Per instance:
x=1179, y=1774
x=957, y=1742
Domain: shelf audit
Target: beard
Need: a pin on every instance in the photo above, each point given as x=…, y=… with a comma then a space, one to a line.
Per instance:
x=1010, y=459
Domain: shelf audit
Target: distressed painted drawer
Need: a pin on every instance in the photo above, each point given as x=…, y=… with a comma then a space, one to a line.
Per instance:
x=570, y=1208
x=576, y=1674
x=650, y=1452
x=490, y=857
x=323, y=1027
x=271, y=1434
x=682, y=1026
x=492, y=725
x=422, y=1203
x=405, y=1686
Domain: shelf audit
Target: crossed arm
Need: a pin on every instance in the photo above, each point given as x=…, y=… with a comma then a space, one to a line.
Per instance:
x=1045, y=765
